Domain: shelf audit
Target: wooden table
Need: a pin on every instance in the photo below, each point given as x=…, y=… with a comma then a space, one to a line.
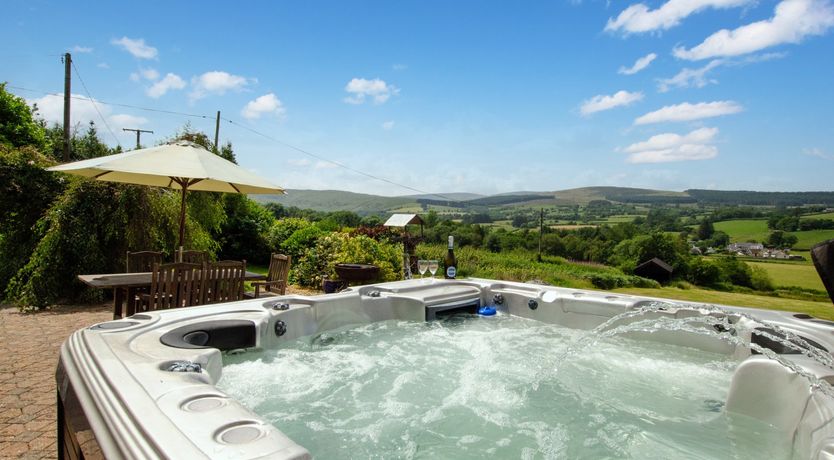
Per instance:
x=122, y=283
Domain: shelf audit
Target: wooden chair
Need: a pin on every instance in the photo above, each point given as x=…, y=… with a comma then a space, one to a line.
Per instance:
x=174, y=285
x=277, y=278
x=223, y=281
x=139, y=262
x=195, y=257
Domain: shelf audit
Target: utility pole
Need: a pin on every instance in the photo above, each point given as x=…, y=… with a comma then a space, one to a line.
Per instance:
x=541, y=232
x=67, y=77
x=138, y=133
x=217, y=133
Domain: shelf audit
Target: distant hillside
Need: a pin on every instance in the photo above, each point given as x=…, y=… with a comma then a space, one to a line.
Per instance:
x=744, y=197
x=335, y=200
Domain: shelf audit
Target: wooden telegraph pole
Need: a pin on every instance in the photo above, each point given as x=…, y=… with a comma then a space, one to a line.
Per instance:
x=217, y=132
x=541, y=232
x=138, y=133
x=67, y=83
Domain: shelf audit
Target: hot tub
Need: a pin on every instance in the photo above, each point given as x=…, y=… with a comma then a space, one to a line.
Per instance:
x=148, y=386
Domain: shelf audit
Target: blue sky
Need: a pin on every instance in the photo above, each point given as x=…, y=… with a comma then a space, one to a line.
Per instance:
x=475, y=96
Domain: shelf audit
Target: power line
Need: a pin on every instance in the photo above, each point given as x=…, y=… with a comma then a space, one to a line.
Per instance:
x=114, y=104
x=254, y=131
x=341, y=165
x=92, y=101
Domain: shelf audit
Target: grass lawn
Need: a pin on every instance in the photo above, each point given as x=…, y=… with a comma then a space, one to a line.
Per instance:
x=742, y=230
x=791, y=274
x=824, y=310
x=809, y=238
x=824, y=215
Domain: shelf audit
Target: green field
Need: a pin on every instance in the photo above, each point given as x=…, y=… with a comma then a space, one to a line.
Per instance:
x=824, y=215
x=811, y=237
x=742, y=230
x=822, y=310
x=791, y=274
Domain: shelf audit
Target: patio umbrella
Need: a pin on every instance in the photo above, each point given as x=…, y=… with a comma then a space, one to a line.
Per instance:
x=178, y=165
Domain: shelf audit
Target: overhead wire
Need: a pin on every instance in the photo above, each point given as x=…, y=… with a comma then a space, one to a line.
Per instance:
x=114, y=104
x=247, y=128
x=333, y=162
x=95, y=106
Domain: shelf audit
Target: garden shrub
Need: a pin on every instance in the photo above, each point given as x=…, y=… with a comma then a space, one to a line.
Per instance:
x=281, y=229
x=760, y=280
x=317, y=262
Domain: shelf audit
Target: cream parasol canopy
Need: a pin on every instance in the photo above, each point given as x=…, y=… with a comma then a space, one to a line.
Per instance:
x=180, y=165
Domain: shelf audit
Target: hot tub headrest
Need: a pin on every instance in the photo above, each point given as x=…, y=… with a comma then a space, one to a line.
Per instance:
x=223, y=334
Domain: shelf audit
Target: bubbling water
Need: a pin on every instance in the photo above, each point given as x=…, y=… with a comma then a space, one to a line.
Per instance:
x=470, y=387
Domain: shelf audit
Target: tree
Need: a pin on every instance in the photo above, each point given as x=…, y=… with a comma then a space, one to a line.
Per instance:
x=781, y=240
x=18, y=126
x=705, y=230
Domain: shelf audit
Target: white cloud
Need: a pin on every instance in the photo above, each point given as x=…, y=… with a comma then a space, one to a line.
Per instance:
x=147, y=74
x=361, y=89
x=639, y=18
x=325, y=165
x=81, y=49
x=103, y=65
x=668, y=147
x=217, y=82
x=689, y=112
x=399, y=66
x=136, y=47
x=603, y=102
x=51, y=109
x=123, y=120
x=169, y=82
x=299, y=162
x=266, y=104
x=388, y=125
x=639, y=65
x=792, y=21
x=689, y=77
x=817, y=152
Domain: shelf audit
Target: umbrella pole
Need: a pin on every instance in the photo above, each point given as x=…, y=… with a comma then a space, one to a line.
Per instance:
x=184, y=185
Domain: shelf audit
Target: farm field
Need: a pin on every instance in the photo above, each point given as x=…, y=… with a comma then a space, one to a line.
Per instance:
x=742, y=230
x=809, y=238
x=791, y=274
x=822, y=310
x=824, y=215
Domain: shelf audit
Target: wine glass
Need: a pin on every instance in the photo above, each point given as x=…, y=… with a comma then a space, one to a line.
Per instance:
x=422, y=266
x=433, y=265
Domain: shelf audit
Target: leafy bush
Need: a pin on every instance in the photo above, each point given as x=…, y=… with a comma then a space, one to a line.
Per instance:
x=126, y=218
x=736, y=271
x=608, y=281
x=297, y=243
x=705, y=272
x=318, y=261
x=281, y=229
x=760, y=280
x=243, y=234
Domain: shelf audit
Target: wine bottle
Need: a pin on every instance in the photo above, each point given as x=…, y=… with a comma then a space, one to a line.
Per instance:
x=450, y=262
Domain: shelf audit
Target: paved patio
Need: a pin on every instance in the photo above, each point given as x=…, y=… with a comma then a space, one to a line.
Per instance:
x=29, y=344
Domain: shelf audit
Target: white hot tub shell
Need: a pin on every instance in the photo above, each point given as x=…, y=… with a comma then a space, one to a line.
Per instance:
x=144, y=386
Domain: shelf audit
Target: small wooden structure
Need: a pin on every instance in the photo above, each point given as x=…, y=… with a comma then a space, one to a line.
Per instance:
x=655, y=269
x=409, y=242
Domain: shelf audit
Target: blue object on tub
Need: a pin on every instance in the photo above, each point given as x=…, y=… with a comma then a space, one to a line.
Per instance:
x=487, y=310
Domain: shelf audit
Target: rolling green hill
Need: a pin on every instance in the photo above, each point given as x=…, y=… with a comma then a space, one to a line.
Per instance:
x=332, y=200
